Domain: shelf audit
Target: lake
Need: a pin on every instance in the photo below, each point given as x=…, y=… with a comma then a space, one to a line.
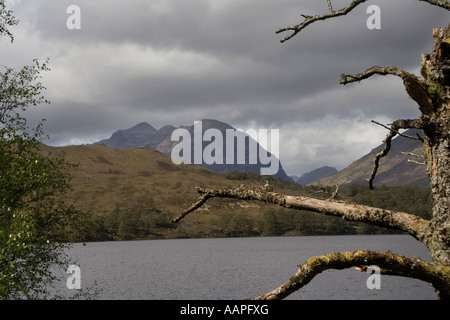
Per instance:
x=236, y=268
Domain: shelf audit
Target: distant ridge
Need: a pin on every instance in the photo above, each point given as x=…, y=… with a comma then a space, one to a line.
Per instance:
x=394, y=169
x=143, y=134
x=314, y=175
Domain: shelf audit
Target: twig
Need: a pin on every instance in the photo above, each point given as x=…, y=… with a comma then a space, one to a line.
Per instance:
x=330, y=6
x=393, y=131
x=417, y=162
x=412, y=154
x=335, y=192
x=310, y=19
x=336, y=13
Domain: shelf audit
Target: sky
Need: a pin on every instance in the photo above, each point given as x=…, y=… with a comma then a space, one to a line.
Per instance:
x=178, y=61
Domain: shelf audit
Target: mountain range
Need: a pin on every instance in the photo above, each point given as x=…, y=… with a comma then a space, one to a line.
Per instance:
x=395, y=169
x=144, y=134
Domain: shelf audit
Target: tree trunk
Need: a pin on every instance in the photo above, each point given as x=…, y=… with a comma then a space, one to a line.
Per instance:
x=436, y=126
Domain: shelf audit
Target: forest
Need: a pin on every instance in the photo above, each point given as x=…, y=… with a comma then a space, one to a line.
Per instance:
x=146, y=221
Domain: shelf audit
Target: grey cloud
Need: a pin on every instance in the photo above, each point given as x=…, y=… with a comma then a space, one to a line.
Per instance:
x=176, y=61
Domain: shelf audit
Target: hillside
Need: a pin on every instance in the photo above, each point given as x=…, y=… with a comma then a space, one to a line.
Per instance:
x=115, y=184
x=314, y=175
x=394, y=169
x=109, y=178
x=134, y=194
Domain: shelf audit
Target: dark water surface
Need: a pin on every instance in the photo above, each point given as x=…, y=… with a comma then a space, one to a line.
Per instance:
x=235, y=268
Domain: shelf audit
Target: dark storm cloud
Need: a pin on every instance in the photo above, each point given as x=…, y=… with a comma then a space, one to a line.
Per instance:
x=176, y=61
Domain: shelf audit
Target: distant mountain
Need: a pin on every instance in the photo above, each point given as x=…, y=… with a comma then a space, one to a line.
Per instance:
x=312, y=176
x=394, y=169
x=143, y=134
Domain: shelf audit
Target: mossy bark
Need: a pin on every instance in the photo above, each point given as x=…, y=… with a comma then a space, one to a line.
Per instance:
x=436, y=126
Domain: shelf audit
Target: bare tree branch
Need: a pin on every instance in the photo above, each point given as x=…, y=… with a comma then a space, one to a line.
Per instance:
x=310, y=19
x=203, y=198
x=399, y=124
x=330, y=6
x=417, y=162
x=416, y=226
x=416, y=87
x=390, y=263
x=336, y=13
x=412, y=154
x=396, y=132
x=376, y=70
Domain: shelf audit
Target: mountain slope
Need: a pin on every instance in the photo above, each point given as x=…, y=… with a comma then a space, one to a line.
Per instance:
x=314, y=175
x=394, y=169
x=143, y=181
x=107, y=178
x=144, y=134
x=135, y=193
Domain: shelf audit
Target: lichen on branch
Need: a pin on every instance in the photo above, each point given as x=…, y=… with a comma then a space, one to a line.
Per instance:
x=390, y=264
x=414, y=225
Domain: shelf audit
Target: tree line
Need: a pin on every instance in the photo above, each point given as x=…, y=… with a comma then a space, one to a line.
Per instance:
x=146, y=221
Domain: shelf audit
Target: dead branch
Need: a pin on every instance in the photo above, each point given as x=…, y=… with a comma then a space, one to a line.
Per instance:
x=203, y=198
x=395, y=126
x=417, y=162
x=330, y=6
x=397, y=132
x=416, y=87
x=310, y=19
x=415, y=226
x=390, y=263
x=342, y=12
x=372, y=71
x=412, y=154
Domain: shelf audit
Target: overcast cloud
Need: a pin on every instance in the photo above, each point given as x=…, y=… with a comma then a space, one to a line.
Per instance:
x=177, y=61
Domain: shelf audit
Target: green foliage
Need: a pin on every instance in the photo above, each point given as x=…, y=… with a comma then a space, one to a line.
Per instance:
x=143, y=221
x=410, y=199
x=276, y=183
x=240, y=225
x=146, y=221
x=33, y=214
x=26, y=259
x=7, y=19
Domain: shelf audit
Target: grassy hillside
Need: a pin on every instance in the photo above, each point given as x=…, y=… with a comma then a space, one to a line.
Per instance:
x=114, y=186
x=134, y=193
